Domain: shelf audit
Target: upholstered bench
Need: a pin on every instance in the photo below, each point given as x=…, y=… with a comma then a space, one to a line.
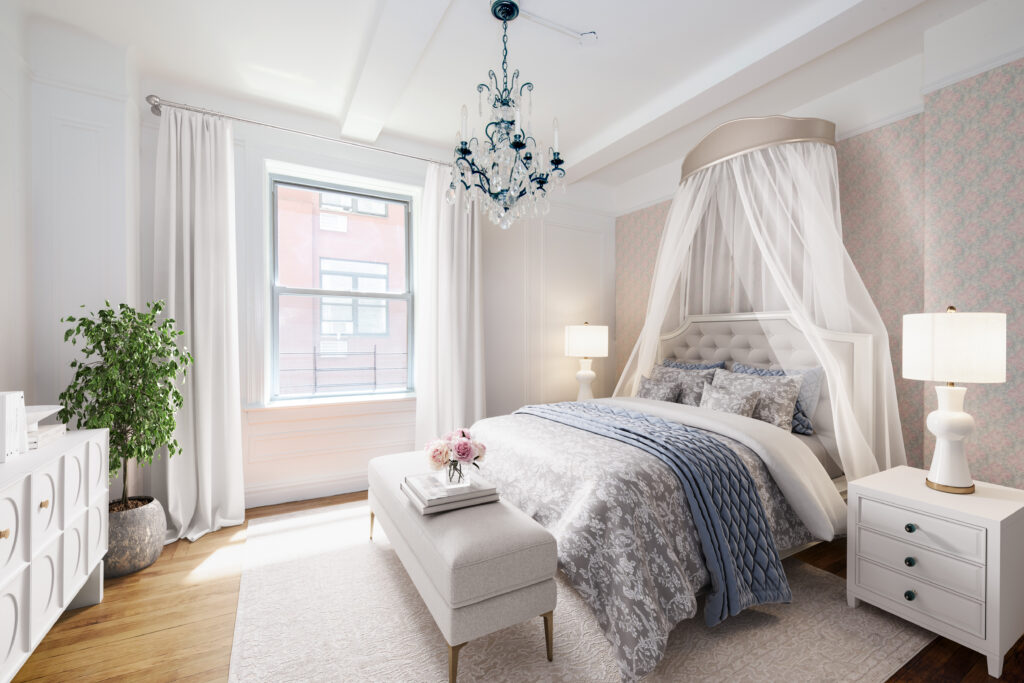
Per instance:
x=478, y=569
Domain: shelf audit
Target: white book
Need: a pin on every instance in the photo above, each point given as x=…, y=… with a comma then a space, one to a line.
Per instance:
x=444, y=507
x=43, y=435
x=432, y=491
x=13, y=428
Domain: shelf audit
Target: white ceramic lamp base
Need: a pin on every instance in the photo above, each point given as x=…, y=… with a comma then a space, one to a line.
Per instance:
x=585, y=377
x=950, y=425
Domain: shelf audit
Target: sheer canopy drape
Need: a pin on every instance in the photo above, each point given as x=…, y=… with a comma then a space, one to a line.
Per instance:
x=761, y=231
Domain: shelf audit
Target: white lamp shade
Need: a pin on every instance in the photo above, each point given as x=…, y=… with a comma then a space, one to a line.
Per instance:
x=955, y=347
x=586, y=341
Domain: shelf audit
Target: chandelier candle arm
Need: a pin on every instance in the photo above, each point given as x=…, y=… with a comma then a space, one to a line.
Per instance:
x=505, y=173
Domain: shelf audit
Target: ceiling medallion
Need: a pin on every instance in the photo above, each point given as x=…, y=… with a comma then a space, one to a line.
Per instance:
x=507, y=173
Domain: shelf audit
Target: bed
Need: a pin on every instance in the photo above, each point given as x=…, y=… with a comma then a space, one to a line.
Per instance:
x=626, y=539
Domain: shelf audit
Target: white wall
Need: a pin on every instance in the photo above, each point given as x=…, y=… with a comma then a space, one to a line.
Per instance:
x=539, y=277
x=558, y=272
x=15, y=303
x=292, y=450
x=82, y=189
x=91, y=150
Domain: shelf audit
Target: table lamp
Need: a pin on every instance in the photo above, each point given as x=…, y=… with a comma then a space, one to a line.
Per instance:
x=953, y=347
x=586, y=342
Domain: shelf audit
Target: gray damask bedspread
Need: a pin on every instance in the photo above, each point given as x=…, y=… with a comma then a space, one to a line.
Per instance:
x=626, y=540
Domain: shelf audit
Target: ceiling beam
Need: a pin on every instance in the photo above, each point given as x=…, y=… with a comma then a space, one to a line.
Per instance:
x=819, y=29
x=402, y=34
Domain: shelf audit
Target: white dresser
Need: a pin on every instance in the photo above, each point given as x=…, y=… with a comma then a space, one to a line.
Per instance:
x=953, y=564
x=53, y=536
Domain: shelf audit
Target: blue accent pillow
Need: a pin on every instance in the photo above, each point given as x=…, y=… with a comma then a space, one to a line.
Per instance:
x=801, y=418
x=682, y=365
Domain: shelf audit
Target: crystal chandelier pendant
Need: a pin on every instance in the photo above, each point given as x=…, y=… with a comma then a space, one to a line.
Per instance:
x=505, y=172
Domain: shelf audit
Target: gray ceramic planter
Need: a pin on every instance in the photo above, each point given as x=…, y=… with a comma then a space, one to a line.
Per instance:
x=136, y=538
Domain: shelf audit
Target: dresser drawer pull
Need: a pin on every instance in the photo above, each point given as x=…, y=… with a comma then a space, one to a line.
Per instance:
x=45, y=504
x=911, y=528
x=910, y=595
x=6, y=533
x=909, y=561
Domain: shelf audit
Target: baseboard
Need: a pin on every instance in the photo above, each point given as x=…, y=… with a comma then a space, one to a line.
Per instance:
x=303, y=489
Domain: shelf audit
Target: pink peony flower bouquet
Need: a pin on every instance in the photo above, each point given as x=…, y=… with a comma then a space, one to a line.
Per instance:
x=453, y=450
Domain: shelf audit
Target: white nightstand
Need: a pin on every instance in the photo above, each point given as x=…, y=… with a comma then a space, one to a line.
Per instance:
x=953, y=564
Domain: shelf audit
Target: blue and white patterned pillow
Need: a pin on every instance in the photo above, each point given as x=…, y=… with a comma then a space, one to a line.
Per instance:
x=806, y=402
x=683, y=365
x=690, y=382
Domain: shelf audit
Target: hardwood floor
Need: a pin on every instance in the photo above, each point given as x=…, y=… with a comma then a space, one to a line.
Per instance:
x=941, y=660
x=174, y=621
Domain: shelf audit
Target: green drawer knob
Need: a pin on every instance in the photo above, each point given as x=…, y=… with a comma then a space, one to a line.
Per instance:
x=909, y=561
x=911, y=528
x=910, y=595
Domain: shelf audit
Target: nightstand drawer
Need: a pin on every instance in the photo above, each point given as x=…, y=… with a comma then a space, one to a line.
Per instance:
x=925, y=530
x=948, y=572
x=956, y=611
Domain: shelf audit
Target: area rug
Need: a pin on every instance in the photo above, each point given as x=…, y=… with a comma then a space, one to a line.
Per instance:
x=319, y=601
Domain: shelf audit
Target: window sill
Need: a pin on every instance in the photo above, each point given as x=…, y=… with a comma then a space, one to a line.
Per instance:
x=278, y=404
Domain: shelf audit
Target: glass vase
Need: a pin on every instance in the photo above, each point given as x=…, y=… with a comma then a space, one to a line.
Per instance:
x=453, y=476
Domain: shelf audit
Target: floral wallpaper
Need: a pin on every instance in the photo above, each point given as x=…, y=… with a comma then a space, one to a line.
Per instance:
x=933, y=214
x=637, y=236
x=974, y=244
x=881, y=195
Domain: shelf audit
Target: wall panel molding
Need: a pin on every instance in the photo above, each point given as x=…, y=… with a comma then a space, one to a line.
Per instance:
x=288, y=490
x=80, y=216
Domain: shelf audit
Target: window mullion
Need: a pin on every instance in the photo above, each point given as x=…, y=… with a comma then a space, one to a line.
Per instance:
x=398, y=296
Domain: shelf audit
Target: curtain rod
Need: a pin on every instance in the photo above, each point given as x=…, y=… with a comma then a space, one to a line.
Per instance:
x=155, y=104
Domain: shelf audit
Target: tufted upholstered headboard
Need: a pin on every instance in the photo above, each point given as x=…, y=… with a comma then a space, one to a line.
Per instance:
x=774, y=339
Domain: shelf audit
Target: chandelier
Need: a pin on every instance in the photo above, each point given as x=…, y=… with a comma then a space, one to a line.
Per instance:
x=507, y=173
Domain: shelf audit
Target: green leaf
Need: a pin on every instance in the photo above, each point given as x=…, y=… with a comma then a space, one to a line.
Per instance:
x=129, y=384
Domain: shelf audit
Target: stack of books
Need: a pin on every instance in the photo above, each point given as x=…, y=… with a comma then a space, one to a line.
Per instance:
x=429, y=494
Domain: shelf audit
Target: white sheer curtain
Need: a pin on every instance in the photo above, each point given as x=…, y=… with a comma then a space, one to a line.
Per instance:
x=448, y=312
x=762, y=232
x=194, y=271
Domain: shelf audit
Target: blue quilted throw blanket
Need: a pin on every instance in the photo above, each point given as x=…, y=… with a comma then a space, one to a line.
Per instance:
x=738, y=546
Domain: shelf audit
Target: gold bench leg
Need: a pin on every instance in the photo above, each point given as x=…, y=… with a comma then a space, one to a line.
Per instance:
x=453, y=661
x=549, y=633
x=371, y=525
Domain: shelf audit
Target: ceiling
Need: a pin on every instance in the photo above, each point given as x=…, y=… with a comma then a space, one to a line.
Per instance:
x=401, y=68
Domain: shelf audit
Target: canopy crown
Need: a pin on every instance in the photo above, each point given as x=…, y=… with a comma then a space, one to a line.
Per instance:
x=740, y=136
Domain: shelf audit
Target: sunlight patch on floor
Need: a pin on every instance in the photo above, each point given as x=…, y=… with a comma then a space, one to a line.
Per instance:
x=298, y=536
x=221, y=563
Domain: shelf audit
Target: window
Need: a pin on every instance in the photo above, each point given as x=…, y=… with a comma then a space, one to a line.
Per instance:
x=344, y=315
x=342, y=293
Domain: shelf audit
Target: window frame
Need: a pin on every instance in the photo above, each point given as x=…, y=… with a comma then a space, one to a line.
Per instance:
x=277, y=289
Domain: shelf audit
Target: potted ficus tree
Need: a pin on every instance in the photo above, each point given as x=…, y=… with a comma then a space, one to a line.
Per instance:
x=126, y=381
